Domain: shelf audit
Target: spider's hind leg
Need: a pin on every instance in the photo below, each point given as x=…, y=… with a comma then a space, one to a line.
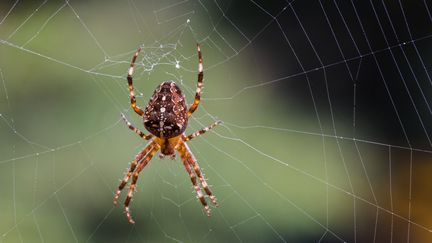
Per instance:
x=196, y=102
x=134, y=106
x=136, y=130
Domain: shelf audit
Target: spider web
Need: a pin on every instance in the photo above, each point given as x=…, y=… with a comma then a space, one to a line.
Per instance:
x=326, y=108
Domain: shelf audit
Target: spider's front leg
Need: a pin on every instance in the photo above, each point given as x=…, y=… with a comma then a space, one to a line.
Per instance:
x=134, y=163
x=135, y=175
x=193, y=162
x=189, y=162
x=197, y=188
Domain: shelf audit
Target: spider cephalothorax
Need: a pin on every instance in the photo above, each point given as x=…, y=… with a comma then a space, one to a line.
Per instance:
x=166, y=118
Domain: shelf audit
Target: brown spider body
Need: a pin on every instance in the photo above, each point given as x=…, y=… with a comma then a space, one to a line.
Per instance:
x=166, y=113
x=166, y=118
x=168, y=146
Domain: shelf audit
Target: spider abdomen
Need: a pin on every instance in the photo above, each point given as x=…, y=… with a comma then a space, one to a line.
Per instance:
x=166, y=113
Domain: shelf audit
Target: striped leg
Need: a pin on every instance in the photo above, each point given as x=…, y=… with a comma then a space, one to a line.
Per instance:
x=130, y=85
x=134, y=163
x=194, y=181
x=141, y=166
x=205, y=129
x=136, y=130
x=193, y=162
x=194, y=106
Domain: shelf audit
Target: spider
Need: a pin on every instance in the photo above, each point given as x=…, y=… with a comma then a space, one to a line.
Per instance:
x=166, y=118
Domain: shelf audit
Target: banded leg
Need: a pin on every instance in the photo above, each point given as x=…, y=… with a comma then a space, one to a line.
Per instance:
x=136, y=130
x=205, y=129
x=194, y=183
x=134, y=163
x=141, y=166
x=194, y=106
x=130, y=85
x=193, y=162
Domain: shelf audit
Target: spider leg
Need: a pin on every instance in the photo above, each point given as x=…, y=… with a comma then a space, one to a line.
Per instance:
x=134, y=163
x=190, y=161
x=194, y=106
x=136, y=130
x=141, y=166
x=193, y=162
x=130, y=85
x=205, y=129
x=194, y=182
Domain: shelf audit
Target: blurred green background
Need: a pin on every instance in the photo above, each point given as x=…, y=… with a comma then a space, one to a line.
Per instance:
x=276, y=166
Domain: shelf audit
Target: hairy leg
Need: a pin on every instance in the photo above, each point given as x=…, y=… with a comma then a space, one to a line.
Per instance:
x=136, y=130
x=134, y=163
x=194, y=106
x=202, y=131
x=130, y=85
x=135, y=175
